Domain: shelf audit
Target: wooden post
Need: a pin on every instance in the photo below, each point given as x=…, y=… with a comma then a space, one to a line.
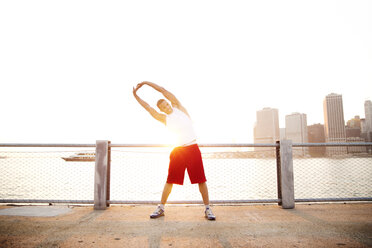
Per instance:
x=108, y=190
x=100, y=176
x=286, y=171
x=278, y=173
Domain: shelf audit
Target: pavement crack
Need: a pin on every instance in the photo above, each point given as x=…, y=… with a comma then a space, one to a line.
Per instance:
x=92, y=216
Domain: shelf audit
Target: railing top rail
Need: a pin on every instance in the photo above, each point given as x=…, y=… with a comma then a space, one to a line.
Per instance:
x=44, y=145
x=201, y=145
x=332, y=144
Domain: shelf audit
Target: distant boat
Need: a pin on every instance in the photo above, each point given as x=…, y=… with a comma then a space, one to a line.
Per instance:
x=81, y=157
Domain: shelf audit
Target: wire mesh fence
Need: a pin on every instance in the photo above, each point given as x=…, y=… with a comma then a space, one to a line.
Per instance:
x=347, y=177
x=43, y=175
x=140, y=175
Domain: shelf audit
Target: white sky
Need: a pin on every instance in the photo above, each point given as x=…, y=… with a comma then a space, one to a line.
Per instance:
x=67, y=68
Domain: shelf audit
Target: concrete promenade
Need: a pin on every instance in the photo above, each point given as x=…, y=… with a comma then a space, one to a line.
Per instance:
x=315, y=225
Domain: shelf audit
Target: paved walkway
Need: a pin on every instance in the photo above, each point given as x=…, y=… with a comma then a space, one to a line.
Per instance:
x=317, y=225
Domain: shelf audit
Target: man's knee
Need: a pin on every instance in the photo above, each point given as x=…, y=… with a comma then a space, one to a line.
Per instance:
x=202, y=186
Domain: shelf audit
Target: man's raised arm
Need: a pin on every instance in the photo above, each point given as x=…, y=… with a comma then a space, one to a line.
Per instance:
x=172, y=98
x=145, y=105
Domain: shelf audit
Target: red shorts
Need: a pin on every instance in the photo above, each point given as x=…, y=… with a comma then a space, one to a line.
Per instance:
x=186, y=157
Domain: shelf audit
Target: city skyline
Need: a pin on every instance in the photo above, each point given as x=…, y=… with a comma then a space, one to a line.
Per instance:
x=336, y=128
x=322, y=121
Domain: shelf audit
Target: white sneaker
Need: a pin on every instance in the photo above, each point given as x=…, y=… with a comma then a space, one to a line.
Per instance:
x=157, y=213
x=209, y=214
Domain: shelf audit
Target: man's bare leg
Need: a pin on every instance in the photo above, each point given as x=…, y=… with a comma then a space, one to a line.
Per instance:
x=160, y=209
x=166, y=191
x=204, y=192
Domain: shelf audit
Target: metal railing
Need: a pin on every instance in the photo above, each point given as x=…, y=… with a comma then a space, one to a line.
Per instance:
x=227, y=174
x=235, y=175
x=29, y=176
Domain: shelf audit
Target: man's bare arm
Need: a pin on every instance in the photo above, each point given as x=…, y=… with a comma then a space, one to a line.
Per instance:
x=145, y=105
x=172, y=98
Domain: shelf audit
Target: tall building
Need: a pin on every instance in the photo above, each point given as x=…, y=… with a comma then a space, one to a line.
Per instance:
x=354, y=122
x=352, y=132
x=334, y=123
x=296, y=130
x=363, y=125
x=368, y=119
x=353, y=135
x=266, y=128
x=353, y=128
x=315, y=134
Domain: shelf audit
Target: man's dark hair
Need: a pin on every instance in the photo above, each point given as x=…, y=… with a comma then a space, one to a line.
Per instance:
x=160, y=102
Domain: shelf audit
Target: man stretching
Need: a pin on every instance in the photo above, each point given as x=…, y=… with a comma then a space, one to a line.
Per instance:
x=185, y=155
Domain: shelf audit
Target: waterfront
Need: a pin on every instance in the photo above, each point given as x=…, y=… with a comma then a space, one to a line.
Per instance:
x=139, y=175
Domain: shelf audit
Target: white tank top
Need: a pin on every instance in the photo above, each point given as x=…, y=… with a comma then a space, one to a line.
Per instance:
x=181, y=125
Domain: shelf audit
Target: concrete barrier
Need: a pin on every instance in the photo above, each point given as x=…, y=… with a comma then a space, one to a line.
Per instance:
x=286, y=174
x=100, y=176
